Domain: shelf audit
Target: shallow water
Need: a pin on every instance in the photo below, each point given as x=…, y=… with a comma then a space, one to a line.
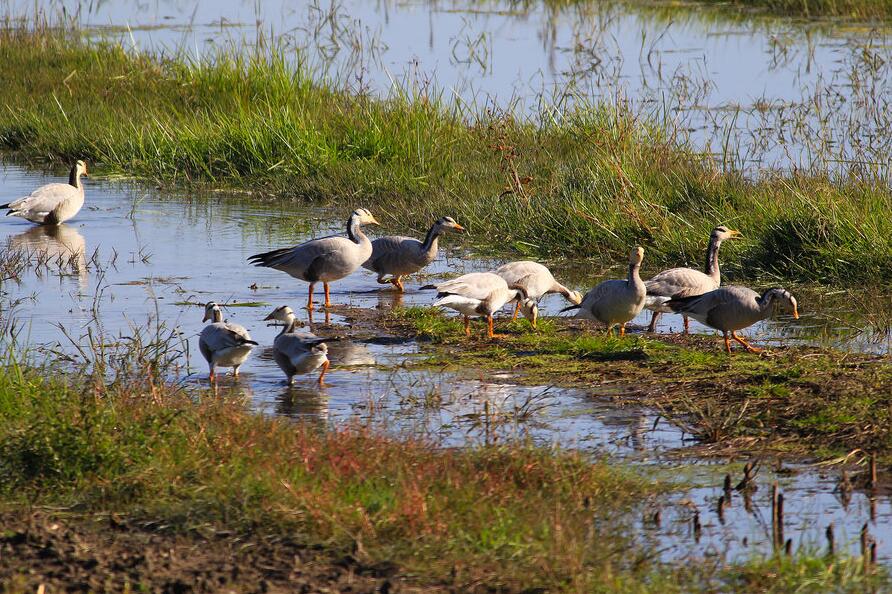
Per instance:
x=754, y=93
x=134, y=258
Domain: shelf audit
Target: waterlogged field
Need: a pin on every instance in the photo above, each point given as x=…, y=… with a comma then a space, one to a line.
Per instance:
x=556, y=459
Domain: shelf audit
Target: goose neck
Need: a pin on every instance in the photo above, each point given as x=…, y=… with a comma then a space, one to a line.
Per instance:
x=354, y=230
x=431, y=240
x=712, y=259
x=74, y=178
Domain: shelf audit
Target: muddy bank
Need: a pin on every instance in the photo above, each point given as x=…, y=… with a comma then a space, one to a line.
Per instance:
x=104, y=553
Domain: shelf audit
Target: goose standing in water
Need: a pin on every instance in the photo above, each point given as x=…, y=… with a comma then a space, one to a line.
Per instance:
x=537, y=281
x=222, y=343
x=297, y=352
x=615, y=302
x=326, y=259
x=481, y=294
x=686, y=282
x=53, y=203
x=729, y=309
x=399, y=256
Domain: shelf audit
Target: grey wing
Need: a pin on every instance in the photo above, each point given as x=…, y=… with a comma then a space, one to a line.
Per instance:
x=391, y=253
x=679, y=282
x=512, y=271
x=220, y=336
x=598, y=296
x=44, y=198
x=305, y=260
x=476, y=285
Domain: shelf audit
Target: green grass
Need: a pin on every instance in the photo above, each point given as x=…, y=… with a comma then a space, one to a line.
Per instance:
x=502, y=517
x=595, y=180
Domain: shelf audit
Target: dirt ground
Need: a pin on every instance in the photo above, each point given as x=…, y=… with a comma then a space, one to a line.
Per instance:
x=48, y=553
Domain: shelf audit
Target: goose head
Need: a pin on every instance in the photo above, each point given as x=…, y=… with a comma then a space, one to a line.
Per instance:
x=721, y=233
x=636, y=256
x=363, y=217
x=528, y=306
x=212, y=313
x=283, y=313
x=784, y=300
x=448, y=224
x=80, y=168
x=575, y=297
x=319, y=349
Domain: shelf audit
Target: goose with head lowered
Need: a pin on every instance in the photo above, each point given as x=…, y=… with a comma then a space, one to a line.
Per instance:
x=615, y=302
x=297, y=352
x=481, y=294
x=685, y=282
x=53, y=203
x=729, y=309
x=326, y=259
x=537, y=281
x=223, y=344
x=399, y=256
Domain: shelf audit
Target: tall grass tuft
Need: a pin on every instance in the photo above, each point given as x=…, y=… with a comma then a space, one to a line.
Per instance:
x=585, y=182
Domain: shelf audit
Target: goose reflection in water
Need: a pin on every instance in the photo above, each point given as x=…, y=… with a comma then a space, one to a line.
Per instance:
x=61, y=247
x=303, y=402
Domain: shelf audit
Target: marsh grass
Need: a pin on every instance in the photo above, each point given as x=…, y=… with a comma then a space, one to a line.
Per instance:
x=590, y=180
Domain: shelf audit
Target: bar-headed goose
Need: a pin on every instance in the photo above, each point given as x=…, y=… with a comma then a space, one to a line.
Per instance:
x=686, y=282
x=400, y=256
x=297, y=352
x=222, y=343
x=326, y=259
x=53, y=203
x=729, y=309
x=481, y=294
x=615, y=302
x=537, y=281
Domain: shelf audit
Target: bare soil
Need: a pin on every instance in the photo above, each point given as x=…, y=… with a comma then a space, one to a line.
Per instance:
x=47, y=552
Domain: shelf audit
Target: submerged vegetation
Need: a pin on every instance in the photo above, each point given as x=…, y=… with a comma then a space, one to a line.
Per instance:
x=862, y=10
x=592, y=180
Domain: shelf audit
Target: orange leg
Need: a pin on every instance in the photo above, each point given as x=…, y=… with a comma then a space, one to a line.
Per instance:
x=489, y=332
x=727, y=343
x=397, y=282
x=212, y=376
x=327, y=295
x=653, y=322
x=622, y=330
x=467, y=326
x=687, y=324
x=516, y=311
x=310, y=298
x=325, y=367
x=745, y=344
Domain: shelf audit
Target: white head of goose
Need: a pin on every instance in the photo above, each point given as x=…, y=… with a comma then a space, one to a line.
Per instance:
x=481, y=294
x=615, y=302
x=297, y=352
x=537, y=281
x=326, y=259
x=53, y=203
x=222, y=343
x=400, y=256
x=729, y=309
x=684, y=282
